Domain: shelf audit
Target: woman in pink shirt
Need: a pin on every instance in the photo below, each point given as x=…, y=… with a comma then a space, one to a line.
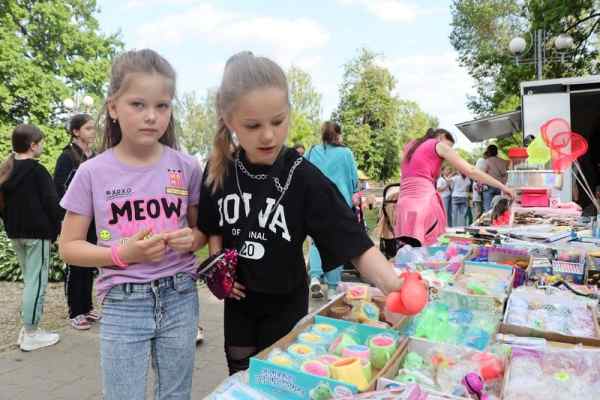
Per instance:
x=420, y=215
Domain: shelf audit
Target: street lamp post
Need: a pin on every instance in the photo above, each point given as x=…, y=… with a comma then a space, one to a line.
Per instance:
x=80, y=103
x=518, y=48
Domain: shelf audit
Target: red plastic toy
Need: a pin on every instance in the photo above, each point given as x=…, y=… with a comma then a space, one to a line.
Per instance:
x=412, y=296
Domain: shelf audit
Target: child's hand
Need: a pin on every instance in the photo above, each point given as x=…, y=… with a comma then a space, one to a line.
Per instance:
x=238, y=291
x=181, y=240
x=141, y=248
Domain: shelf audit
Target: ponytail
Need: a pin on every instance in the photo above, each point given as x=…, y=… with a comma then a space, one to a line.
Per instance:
x=430, y=134
x=6, y=168
x=221, y=155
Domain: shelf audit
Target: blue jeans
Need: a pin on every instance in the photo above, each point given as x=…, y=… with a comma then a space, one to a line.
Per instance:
x=332, y=278
x=459, y=211
x=158, y=321
x=488, y=196
x=448, y=208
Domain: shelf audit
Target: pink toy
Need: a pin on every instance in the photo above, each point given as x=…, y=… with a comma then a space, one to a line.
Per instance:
x=412, y=296
x=316, y=368
x=474, y=385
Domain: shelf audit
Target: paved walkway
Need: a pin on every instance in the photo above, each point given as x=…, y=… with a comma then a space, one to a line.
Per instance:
x=71, y=369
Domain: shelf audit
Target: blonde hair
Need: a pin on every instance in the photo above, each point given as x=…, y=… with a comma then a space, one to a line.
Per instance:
x=243, y=73
x=136, y=61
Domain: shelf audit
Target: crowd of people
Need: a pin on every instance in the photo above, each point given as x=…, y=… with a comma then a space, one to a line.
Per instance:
x=138, y=210
x=465, y=199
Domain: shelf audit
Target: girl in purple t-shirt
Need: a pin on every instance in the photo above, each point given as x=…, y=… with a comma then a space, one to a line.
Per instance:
x=143, y=196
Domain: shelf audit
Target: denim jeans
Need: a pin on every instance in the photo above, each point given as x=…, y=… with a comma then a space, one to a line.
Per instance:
x=448, y=208
x=154, y=321
x=488, y=196
x=331, y=278
x=459, y=211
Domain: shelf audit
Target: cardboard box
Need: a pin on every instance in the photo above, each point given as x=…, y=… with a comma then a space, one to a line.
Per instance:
x=339, y=301
x=455, y=301
x=287, y=383
x=493, y=302
x=421, y=347
x=525, y=331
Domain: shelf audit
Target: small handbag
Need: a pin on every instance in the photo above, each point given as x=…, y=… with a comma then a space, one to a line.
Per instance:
x=219, y=270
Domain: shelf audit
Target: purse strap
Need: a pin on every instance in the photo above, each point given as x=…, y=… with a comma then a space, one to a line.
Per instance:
x=259, y=199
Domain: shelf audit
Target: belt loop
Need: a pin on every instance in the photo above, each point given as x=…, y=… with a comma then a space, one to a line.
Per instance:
x=127, y=288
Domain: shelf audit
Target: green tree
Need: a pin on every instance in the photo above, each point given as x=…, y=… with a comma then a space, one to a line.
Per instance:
x=197, y=119
x=48, y=51
x=413, y=122
x=482, y=30
x=368, y=113
x=306, y=108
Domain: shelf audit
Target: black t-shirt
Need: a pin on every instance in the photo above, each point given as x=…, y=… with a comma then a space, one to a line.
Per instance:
x=271, y=259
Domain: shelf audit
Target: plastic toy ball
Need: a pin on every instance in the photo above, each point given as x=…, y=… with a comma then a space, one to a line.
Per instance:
x=412, y=296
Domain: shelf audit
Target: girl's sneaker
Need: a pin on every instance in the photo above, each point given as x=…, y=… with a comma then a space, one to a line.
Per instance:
x=93, y=316
x=80, y=322
x=38, y=339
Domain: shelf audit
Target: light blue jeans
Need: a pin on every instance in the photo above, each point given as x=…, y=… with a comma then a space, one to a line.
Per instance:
x=488, y=196
x=153, y=321
x=331, y=278
x=459, y=211
x=448, y=208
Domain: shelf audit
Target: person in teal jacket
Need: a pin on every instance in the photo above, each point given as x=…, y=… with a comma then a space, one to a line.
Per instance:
x=337, y=163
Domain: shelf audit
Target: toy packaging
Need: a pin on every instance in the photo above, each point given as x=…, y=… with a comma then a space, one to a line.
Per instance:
x=451, y=370
x=558, y=317
x=441, y=323
x=534, y=374
x=325, y=358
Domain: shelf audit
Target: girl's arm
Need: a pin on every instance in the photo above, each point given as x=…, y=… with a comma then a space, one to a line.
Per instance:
x=215, y=244
x=375, y=268
x=199, y=238
x=74, y=249
x=448, y=154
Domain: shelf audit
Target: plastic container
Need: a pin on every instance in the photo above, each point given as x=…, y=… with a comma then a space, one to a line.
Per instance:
x=532, y=197
x=518, y=156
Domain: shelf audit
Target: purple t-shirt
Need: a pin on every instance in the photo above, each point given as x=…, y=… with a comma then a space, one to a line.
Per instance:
x=124, y=199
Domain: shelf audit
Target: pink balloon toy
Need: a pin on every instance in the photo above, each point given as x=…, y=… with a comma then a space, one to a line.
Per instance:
x=474, y=385
x=412, y=296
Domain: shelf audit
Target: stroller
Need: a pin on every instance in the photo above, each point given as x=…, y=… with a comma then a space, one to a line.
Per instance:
x=388, y=244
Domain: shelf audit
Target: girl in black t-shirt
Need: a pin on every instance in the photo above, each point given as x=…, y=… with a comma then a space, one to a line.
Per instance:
x=78, y=280
x=271, y=294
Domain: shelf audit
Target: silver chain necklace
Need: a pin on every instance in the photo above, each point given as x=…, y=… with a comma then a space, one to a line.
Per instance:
x=262, y=177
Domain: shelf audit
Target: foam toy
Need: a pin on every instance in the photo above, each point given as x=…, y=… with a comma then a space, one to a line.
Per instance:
x=412, y=296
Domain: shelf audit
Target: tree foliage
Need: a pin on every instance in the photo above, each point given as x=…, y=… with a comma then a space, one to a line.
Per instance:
x=368, y=113
x=482, y=30
x=306, y=108
x=197, y=119
x=413, y=122
x=49, y=50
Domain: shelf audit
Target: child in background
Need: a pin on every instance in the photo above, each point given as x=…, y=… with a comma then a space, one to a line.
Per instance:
x=78, y=280
x=32, y=220
x=143, y=195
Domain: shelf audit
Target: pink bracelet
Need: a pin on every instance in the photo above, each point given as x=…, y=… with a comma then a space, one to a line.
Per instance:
x=117, y=261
